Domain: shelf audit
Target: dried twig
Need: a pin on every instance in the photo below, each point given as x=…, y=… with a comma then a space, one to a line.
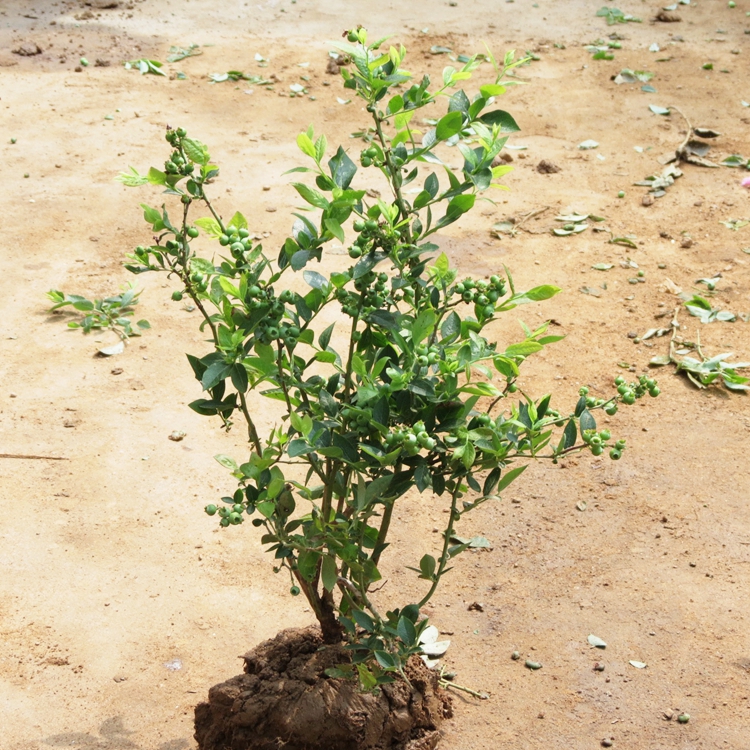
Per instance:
x=528, y=216
x=42, y=458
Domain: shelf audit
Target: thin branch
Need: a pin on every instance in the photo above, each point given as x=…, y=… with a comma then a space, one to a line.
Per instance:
x=42, y=458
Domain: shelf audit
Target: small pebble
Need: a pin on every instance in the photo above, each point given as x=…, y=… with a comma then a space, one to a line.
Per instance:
x=683, y=718
x=515, y=656
x=607, y=743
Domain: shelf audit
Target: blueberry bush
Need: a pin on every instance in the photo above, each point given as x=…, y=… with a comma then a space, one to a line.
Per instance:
x=402, y=393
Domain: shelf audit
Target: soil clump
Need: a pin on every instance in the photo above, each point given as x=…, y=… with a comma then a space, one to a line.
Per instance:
x=285, y=699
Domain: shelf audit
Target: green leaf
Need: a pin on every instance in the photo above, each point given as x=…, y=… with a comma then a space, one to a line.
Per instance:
x=132, y=178
x=316, y=280
x=502, y=118
x=306, y=145
x=226, y=461
x=386, y=660
x=427, y=565
x=342, y=169
x=363, y=620
x=586, y=421
x=307, y=562
x=449, y=125
x=334, y=228
x=509, y=477
x=523, y=349
x=313, y=197
x=569, y=434
x=328, y=573
x=456, y=208
x=451, y=327
x=325, y=337
x=406, y=631
x=210, y=226
x=423, y=326
x=155, y=177
x=238, y=221
x=195, y=151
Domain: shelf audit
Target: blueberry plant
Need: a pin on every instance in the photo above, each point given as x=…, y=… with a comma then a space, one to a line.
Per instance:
x=402, y=393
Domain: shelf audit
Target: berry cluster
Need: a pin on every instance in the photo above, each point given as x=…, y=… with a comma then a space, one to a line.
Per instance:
x=371, y=236
x=229, y=515
x=359, y=421
x=371, y=295
x=630, y=392
x=427, y=355
x=238, y=240
x=482, y=293
x=411, y=440
x=177, y=163
x=370, y=156
x=591, y=402
x=597, y=442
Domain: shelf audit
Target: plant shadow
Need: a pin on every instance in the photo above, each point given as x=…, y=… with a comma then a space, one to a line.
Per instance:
x=112, y=736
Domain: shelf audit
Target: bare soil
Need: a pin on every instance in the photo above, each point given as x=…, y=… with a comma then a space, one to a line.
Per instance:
x=120, y=602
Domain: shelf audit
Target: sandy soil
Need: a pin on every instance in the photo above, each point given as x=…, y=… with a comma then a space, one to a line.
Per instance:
x=110, y=569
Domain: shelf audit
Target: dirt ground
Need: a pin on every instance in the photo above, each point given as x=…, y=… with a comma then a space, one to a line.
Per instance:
x=111, y=571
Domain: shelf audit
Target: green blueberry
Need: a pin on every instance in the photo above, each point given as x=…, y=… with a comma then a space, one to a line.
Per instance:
x=223, y=240
x=192, y=232
x=615, y=454
x=294, y=591
x=224, y=522
x=211, y=510
x=177, y=295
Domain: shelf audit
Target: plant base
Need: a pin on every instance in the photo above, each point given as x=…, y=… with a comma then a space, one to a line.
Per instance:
x=285, y=700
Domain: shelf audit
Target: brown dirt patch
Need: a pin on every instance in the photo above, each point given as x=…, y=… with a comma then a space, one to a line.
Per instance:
x=285, y=695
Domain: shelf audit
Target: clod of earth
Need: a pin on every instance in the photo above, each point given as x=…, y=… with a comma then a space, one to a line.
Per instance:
x=28, y=49
x=547, y=167
x=285, y=699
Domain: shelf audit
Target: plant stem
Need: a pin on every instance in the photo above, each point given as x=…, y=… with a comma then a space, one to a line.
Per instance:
x=444, y=556
x=393, y=177
x=251, y=431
